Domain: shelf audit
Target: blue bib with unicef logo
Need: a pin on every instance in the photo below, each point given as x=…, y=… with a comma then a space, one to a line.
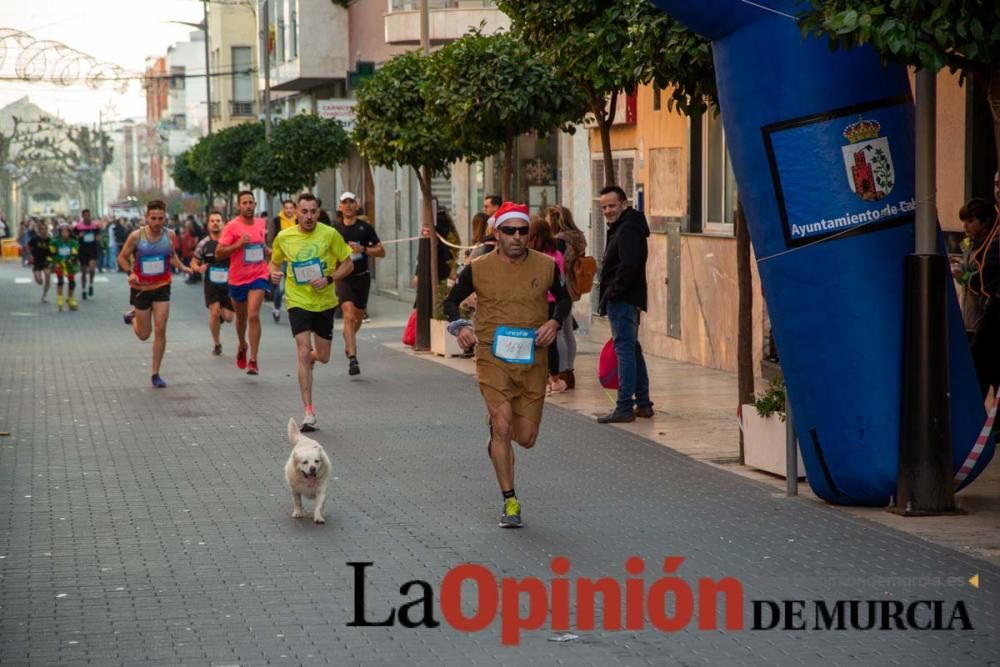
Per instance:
x=515, y=345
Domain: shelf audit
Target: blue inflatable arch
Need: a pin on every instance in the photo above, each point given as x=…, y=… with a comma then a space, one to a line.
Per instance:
x=822, y=146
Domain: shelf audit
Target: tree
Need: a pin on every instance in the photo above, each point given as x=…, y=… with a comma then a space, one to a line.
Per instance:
x=962, y=35
x=493, y=88
x=218, y=158
x=299, y=148
x=185, y=176
x=397, y=125
x=610, y=47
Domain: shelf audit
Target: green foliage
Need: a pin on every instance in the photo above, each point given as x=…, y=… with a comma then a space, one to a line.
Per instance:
x=184, y=175
x=962, y=35
x=218, y=158
x=773, y=400
x=396, y=123
x=610, y=46
x=299, y=148
x=493, y=88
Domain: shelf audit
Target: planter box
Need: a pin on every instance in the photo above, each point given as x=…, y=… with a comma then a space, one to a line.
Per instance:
x=764, y=442
x=443, y=343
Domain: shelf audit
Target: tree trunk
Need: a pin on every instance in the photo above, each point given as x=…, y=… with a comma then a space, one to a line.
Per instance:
x=993, y=95
x=427, y=260
x=604, y=120
x=508, y=165
x=744, y=318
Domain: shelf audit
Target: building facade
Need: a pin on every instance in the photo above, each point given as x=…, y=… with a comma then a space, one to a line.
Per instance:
x=677, y=170
x=233, y=45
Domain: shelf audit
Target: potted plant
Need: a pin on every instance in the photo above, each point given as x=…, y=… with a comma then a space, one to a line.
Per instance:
x=443, y=343
x=764, y=430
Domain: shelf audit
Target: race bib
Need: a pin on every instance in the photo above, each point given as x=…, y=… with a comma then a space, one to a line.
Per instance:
x=88, y=237
x=253, y=253
x=306, y=271
x=64, y=251
x=218, y=275
x=514, y=345
x=153, y=266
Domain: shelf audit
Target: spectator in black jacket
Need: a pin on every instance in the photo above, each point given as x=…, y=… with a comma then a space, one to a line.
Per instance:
x=622, y=297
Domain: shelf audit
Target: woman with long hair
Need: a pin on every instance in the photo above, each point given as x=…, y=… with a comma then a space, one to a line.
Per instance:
x=573, y=244
x=540, y=238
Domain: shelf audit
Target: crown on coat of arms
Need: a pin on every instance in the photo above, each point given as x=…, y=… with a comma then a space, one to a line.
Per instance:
x=861, y=130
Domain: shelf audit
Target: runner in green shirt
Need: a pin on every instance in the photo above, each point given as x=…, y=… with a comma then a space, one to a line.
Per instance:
x=317, y=255
x=64, y=252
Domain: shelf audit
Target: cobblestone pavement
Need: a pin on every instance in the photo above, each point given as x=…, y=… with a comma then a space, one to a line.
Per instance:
x=152, y=527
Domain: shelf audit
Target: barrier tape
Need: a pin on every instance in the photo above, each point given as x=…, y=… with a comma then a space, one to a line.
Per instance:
x=977, y=449
x=442, y=240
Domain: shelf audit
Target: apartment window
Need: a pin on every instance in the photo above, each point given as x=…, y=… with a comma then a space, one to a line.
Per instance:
x=656, y=97
x=179, y=121
x=718, y=180
x=242, y=62
x=177, y=78
x=294, y=34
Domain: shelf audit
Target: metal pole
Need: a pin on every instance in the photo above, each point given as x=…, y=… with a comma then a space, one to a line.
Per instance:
x=425, y=27
x=925, y=485
x=267, y=86
x=926, y=217
x=208, y=72
x=208, y=89
x=791, y=452
x=100, y=172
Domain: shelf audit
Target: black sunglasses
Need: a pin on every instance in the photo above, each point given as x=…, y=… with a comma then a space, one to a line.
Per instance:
x=508, y=230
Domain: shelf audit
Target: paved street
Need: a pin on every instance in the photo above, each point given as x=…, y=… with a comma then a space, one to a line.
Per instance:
x=142, y=526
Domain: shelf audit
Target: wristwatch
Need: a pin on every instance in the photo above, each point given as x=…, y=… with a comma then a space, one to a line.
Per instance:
x=329, y=280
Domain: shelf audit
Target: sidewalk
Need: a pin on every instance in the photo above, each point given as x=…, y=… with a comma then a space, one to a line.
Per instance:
x=696, y=416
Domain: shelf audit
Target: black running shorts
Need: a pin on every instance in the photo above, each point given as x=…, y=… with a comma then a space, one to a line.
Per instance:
x=143, y=299
x=355, y=289
x=318, y=322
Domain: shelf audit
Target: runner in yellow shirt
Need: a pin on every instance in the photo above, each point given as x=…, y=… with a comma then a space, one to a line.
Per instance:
x=316, y=256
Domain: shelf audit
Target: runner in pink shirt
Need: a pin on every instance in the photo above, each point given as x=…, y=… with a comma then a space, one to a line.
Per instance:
x=242, y=242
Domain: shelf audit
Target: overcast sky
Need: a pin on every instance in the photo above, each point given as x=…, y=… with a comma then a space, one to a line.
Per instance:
x=122, y=32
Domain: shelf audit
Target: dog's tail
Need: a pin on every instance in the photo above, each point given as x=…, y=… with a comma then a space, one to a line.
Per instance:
x=293, y=431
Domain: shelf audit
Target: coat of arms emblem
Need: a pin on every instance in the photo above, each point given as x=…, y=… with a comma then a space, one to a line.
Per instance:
x=868, y=161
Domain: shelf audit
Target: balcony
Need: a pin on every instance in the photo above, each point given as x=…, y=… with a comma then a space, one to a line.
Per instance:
x=319, y=56
x=238, y=109
x=449, y=20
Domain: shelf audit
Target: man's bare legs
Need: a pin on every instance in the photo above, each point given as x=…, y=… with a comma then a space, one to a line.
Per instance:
x=252, y=314
x=310, y=349
x=352, y=324
x=506, y=427
x=153, y=321
x=216, y=316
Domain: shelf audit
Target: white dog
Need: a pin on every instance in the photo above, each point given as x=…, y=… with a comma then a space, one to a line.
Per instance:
x=307, y=472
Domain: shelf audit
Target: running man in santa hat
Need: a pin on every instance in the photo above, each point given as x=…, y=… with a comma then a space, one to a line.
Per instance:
x=511, y=333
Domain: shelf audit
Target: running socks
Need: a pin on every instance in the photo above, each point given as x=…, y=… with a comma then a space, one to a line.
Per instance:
x=509, y=494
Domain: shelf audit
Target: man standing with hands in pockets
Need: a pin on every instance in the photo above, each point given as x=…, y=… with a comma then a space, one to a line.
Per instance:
x=243, y=243
x=316, y=256
x=511, y=333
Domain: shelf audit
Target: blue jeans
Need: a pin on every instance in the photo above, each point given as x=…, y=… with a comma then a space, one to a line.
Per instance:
x=633, y=379
x=279, y=289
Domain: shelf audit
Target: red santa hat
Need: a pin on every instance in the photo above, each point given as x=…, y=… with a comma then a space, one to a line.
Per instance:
x=510, y=211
